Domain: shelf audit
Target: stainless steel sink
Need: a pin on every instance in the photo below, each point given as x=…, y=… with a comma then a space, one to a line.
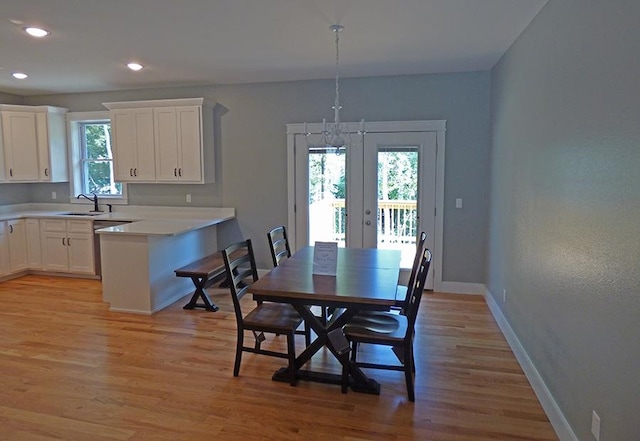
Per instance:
x=81, y=214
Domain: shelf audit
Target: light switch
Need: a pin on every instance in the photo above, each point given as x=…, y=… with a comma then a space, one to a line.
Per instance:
x=458, y=202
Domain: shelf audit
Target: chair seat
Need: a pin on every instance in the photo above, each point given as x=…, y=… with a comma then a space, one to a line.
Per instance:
x=377, y=326
x=273, y=316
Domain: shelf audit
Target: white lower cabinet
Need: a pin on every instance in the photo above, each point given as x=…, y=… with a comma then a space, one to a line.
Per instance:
x=4, y=249
x=67, y=246
x=17, y=229
x=34, y=250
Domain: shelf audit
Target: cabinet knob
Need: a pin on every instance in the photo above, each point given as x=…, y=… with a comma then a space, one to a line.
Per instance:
x=135, y=171
x=63, y=242
x=179, y=172
x=130, y=172
x=175, y=172
x=68, y=241
x=11, y=229
x=46, y=172
x=10, y=172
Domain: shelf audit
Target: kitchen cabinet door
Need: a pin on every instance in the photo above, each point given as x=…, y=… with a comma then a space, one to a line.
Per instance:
x=133, y=145
x=17, y=245
x=190, y=144
x=54, y=251
x=34, y=250
x=52, y=145
x=20, y=146
x=4, y=249
x=178, y=139
x=80, y=249
x=166, y=144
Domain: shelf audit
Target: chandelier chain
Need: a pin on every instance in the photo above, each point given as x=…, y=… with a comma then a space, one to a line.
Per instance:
x=336, y=105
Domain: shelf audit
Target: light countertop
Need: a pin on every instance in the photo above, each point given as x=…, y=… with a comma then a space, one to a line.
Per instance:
x=144, y=220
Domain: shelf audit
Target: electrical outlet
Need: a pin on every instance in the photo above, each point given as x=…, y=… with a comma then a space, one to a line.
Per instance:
x=504, y=295
x=595, y=425
x=53, y=195
x=188, y=197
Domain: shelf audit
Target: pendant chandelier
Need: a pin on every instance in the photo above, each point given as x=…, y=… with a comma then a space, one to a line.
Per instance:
x=335, y=134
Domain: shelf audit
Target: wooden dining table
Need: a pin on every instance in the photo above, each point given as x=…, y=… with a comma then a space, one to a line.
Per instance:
x=366, y=279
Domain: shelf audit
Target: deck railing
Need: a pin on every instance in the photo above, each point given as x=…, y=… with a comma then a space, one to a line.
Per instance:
x=397, y=221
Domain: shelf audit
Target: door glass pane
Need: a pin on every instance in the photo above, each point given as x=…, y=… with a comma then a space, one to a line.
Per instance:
x=327, y=189
x=397, y=200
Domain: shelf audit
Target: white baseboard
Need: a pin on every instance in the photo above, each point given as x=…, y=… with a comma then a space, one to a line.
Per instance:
x=551, y=408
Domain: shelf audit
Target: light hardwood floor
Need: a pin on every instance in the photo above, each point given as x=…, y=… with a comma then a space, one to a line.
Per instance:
x=72, y=370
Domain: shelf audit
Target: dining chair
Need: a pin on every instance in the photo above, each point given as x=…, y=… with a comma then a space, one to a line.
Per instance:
x=281, y=250
x=279, y=244
x=394, y=330
x=402, y=291
x=276, y=318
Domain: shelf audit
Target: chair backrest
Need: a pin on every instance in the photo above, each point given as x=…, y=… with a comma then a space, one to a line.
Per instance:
x=240, y=264
x=416, y=290
x=279, y=245
x=416, y=264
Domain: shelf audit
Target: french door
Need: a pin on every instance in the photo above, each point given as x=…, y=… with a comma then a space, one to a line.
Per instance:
x=380, y=192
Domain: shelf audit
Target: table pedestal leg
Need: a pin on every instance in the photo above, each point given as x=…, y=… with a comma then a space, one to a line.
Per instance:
x=358, y=381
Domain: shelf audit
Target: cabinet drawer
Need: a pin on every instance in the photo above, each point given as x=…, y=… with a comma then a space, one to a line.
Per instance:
x=54, y=225
x=79, y=226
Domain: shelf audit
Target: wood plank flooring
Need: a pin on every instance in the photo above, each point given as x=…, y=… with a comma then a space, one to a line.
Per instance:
x=72, y=370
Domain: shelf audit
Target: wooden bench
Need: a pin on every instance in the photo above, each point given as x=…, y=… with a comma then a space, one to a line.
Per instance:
x=203, y=273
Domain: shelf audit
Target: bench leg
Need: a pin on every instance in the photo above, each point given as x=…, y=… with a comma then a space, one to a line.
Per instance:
x=199, y=293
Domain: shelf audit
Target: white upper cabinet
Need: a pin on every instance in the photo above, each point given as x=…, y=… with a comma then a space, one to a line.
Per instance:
x=20, y=146
x=133, y=145
x=51, y=132
x=180, y=144
x=34, y=145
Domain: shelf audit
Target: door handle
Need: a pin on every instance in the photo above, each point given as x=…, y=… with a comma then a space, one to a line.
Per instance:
x=130, y=172
x=46, y=172
x=63, y=243
x=11, y=229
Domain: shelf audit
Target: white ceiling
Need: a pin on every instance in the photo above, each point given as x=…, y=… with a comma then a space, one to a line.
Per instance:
x=196, y=42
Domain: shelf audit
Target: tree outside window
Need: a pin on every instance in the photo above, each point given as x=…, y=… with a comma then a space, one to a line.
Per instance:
x=97, y=159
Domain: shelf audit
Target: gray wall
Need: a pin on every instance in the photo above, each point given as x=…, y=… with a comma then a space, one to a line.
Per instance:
x=565, y=206
x=252, y=156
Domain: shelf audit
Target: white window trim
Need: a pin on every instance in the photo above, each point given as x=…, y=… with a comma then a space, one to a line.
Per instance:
x=75, y=156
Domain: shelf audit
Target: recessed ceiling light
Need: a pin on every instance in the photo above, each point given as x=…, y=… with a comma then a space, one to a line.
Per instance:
x=36, y=32
x=135, y=66
x=19, y=75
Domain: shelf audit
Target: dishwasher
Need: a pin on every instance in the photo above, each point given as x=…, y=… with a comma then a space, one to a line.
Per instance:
x=97, y=225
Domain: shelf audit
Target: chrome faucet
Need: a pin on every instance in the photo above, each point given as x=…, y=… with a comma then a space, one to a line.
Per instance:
x=94, y=200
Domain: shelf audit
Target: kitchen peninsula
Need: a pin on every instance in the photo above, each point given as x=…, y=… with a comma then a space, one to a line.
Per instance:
x=139, y=258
